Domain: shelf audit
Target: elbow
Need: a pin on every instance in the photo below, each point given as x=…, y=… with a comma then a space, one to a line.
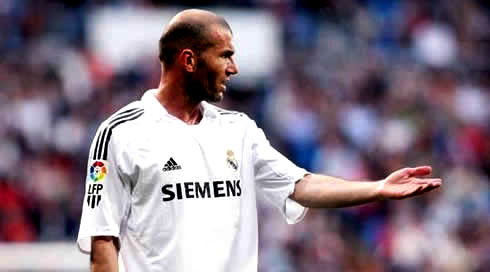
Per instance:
x=313, y=191
x=304, y=193
x=309, y=202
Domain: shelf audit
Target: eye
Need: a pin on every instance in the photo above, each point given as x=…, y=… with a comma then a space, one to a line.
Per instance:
x=228, y=54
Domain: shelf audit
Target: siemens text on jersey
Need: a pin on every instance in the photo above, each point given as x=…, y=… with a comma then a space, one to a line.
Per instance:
x=213, y=189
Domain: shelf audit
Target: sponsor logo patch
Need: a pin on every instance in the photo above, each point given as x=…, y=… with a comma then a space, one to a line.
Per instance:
x=206, y=189
x=98, y=171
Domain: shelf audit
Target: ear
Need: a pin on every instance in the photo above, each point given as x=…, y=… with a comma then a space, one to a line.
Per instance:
x=188, y=60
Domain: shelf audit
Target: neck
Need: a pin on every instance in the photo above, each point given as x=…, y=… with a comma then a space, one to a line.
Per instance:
x=175, y=100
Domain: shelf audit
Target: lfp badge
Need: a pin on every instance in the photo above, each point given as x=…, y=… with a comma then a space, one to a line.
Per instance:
x=98, y=171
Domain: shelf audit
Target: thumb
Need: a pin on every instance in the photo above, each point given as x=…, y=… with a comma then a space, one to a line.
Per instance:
x=420, y=171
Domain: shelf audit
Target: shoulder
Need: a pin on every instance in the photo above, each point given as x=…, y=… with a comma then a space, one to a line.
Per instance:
x=125, y=115
x=225, y=112
x=230, y=115
x=127, y=118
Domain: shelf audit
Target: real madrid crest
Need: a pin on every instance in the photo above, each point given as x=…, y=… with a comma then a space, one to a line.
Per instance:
x=231, y=160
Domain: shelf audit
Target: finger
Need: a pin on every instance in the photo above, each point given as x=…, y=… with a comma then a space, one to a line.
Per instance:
x=431, y=186
x=415, y=191
x=420, y=171
x=427, y=189
x=422, y=190
x=437, y=182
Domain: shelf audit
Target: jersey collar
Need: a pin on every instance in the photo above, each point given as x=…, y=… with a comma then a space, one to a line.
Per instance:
x=157, y=111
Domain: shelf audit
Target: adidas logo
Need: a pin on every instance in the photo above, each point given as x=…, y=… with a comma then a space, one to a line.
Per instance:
x=171, y=165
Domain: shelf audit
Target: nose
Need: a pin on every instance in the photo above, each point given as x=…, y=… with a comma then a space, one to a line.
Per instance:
x=232, y=68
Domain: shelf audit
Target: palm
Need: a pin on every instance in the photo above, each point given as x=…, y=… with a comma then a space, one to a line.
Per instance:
x=408, y=182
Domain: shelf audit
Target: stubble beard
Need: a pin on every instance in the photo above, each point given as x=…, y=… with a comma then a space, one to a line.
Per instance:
x=197, y=91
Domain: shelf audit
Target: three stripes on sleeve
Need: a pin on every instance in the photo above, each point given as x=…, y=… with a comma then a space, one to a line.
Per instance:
x=105, y=133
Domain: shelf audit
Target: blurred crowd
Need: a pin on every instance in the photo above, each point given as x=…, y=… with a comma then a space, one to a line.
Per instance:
x=366, y=87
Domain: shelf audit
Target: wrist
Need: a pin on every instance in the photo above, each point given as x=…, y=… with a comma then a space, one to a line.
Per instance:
x=379, y=189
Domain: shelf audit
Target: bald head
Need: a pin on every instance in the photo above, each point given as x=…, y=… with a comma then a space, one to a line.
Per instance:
x=196, y=16
x=189, y=29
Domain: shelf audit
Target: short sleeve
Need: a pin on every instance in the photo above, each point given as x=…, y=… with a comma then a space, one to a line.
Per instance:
x=106, y=197
x=276, y=176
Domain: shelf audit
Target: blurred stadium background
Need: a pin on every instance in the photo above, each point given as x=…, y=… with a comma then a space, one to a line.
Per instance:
x=352, y=88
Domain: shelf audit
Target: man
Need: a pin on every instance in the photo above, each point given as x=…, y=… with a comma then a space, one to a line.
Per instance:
x=172, y=180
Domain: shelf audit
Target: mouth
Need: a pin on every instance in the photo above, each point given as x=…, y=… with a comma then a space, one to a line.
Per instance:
x=224, y=84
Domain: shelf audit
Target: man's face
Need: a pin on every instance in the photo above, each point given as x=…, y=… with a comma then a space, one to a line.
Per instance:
x=215, y=66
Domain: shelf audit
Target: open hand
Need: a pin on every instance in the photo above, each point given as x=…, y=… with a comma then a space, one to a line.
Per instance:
x=407, y=182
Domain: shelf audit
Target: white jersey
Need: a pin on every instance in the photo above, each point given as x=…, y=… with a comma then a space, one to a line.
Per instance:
x=183, y=197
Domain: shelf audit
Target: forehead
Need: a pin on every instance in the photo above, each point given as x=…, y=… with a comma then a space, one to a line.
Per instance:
x=221, y=36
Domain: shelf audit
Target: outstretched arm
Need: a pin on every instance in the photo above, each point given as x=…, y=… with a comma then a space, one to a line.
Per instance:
x=320, y=191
